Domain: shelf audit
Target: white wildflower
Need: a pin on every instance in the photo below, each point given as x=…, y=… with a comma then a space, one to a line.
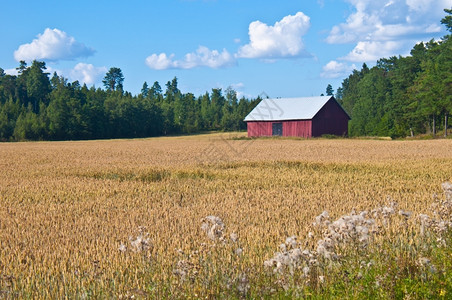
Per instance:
x=424, y=222
x=269, y=263
x=234, y=237
x=283, y=247
x=182, y=269
x=141, y=243
x=387, y=211
x=122, y=248
x=243, y=284
x=289, y=258
x=447, y=188
x=291, y=242
x=295, y=254
x=213, y=226
x=424, y=261
x=320, y=219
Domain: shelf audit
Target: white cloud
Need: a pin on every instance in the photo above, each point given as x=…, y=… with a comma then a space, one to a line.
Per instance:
x=237, y=86
x=13, y=72
x=284, y=39
x=160, y=61
x=208, y=58
x=372, y=51
x=385, y=28
x=424, y=5
x=203, y=57
x=87, y=73
x=433, y=28
x=53, y=44
x=335, y=69
x=84, y=73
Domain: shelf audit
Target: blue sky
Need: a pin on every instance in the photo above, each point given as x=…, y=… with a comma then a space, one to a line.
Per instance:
x=284, y=48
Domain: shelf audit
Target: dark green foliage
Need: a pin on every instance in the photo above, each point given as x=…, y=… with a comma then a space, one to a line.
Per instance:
x=32, y=107
x=113, y=80
x=402, y=96
x=145, y=90
x=447, y=20
x=329, y=90
x=37, y=84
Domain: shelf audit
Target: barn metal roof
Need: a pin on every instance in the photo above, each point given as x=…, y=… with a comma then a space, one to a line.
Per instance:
x=279, y=109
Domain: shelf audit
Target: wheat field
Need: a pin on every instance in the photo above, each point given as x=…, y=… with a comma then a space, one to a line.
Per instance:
x=122, y=218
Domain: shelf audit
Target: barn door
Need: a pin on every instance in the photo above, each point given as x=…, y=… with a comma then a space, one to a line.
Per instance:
x=277, y=129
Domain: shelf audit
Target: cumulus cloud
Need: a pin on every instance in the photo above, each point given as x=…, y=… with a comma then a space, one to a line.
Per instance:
x=284, y=39
x=335, y=69
x=372, y=51
x=385, y=28
x=160, y=61
x=87, y=73
x=203, y=57
x=52, y=45
x=84, y=73
x=13, y=72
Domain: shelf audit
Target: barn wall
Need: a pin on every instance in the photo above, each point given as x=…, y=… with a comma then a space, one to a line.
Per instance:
x=300, y=128
x=256, y=129
x=331, y=119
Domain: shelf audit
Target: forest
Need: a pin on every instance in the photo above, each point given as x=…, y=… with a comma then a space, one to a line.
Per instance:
x=398, y=97
x=34, y=107
x=402, y=96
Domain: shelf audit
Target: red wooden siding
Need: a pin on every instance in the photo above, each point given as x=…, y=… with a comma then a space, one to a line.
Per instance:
x=299, y=128
x=256, y=129
x=331, y=119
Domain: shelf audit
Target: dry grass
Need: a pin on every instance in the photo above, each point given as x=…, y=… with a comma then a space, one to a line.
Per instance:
x=67, y=207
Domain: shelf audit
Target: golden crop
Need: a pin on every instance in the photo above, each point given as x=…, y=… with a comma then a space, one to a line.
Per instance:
x=70, y=212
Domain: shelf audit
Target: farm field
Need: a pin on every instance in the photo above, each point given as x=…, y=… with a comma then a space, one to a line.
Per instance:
x=124, y=218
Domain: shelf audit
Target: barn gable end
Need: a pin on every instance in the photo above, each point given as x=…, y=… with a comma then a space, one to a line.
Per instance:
x=331, y=119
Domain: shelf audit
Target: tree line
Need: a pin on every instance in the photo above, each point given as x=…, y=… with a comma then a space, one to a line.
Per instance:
x=36, y=107
x=402, y=96
x=397, y=97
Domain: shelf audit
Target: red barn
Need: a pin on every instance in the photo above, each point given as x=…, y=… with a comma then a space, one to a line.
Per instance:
x=301, y=117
